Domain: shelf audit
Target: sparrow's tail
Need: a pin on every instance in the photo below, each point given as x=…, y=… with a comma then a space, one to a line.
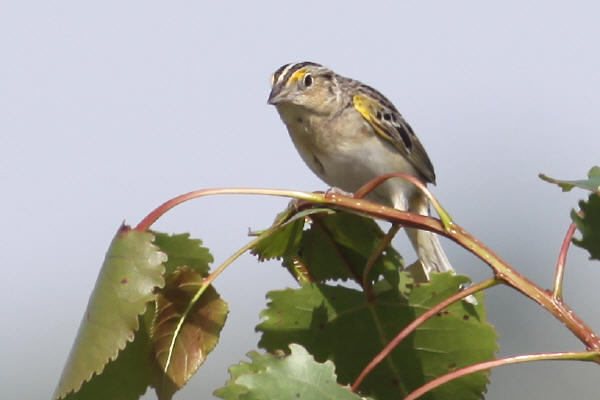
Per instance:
x=427, y=244
x=430, y=251
x=428, y=247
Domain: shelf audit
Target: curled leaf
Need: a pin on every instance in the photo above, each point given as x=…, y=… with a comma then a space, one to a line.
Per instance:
x=185, y=332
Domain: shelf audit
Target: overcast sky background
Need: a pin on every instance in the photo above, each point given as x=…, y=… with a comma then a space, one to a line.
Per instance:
x=109, y=109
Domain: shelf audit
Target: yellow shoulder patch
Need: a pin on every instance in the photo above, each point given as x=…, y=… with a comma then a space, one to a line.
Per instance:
x=368, y=108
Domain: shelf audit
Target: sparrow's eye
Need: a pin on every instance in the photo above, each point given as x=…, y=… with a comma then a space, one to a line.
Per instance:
x=308, y=80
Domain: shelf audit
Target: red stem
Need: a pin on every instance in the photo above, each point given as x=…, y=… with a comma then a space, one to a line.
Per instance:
x=582, y=356
x=419, y=321
x=373, y=183
x=166, y=206
x=560, y=263
x=368, y=187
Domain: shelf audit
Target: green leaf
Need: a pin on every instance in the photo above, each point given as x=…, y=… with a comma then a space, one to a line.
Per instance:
x=589, y=226
x=339, y=324
x=296, y=376
x=182, y=250
x=128, y=376
x=338, y=246
x=132, y=269
x=592, y=183
x=285, y=241
x=232, y=390
x=183, y=336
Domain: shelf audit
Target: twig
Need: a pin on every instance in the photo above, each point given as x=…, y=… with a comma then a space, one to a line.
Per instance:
x=419, y=321
x=166, y=206
x=372, y=185
x=581, y=356
x=383, y=243
x=560, y=264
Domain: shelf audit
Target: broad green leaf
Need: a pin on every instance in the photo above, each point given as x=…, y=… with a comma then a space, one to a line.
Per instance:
x=296, y=376
x=182, y=250
x=232, y=390
x=132, y=269
x=183, y=337
x=338, y=324
x=129, y=375
x=283, y=242
x=591, y=184
x=589, y=225
x=338, y=246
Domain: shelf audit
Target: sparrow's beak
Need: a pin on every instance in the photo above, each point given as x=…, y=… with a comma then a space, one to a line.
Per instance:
x=278, y=94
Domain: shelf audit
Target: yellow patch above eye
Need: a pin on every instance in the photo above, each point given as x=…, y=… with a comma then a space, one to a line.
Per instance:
x=296, y=76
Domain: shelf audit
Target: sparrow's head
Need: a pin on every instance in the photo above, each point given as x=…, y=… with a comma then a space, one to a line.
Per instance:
x=305, y=84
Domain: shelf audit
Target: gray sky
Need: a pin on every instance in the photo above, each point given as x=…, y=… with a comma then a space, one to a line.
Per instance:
x=108, y=109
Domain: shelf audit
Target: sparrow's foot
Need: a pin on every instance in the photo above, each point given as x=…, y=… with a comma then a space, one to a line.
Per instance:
x=337, y=191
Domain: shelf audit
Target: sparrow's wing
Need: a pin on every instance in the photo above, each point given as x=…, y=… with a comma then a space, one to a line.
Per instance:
x=381, y=114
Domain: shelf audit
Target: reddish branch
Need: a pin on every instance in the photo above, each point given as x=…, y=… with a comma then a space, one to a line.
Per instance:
x=410, y=328
x=166, y=206
x=582, y=356
x=560, y=264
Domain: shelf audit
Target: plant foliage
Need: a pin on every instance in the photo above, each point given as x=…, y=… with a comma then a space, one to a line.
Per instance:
x=144, y=296
x=154, y=315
